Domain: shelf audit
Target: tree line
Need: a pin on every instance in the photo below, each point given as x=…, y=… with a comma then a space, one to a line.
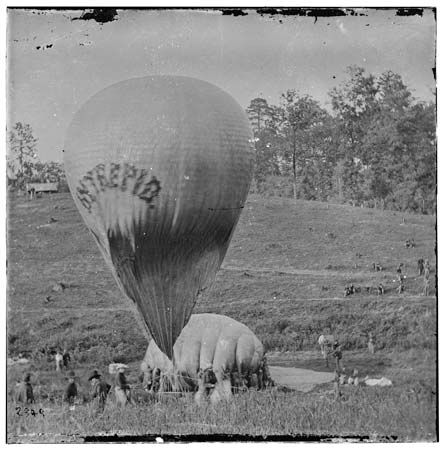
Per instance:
x=375, y=148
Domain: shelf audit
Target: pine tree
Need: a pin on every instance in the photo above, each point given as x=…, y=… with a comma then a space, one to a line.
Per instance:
x=22, y=151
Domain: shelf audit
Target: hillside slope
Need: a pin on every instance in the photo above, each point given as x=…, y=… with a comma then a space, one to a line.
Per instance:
x=285, y=273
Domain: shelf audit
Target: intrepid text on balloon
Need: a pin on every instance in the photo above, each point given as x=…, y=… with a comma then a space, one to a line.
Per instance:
x=123, y=176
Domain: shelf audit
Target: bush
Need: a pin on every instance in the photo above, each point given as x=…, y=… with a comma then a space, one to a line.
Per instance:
x=282, y=324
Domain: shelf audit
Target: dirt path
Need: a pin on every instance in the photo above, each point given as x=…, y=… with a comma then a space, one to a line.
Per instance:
x=311, y=272
x=300, y=379
x=120, y=308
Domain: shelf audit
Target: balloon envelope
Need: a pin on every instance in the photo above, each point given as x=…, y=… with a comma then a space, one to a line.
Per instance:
x=159, y=168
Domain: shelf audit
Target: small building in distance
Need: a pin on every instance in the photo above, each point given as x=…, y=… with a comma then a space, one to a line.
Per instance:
x=36, y=189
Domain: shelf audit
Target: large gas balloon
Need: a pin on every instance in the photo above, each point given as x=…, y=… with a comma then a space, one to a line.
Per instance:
x=159, y=168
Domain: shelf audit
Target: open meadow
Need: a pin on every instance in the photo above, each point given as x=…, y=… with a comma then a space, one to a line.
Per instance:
x=283, y=276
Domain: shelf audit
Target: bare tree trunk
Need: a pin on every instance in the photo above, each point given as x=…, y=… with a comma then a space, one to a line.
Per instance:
x=21, y=158
x=294, y=167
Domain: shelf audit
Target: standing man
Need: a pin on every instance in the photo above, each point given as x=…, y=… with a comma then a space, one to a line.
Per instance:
x=400, y=287
x=122, y=389
x=371, y=344
x=326, y=344
x=24, y=390
x=337, y=355
x=59, y=360
x=66, y=359
x=156, y=380
x=420, y=265
x=147, y=379
x=99, y=390
x=71, y=389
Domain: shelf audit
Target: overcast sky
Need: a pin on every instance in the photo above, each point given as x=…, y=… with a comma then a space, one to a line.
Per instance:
x=246, y=56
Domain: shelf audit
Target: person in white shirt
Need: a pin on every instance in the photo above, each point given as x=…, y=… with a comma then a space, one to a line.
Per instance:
x=59, y=361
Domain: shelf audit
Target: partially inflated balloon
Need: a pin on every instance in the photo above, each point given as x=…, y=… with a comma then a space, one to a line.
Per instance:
x=159, y=168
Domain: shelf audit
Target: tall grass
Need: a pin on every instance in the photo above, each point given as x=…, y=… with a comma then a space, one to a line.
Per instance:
x=373, y=412
x=282, y=325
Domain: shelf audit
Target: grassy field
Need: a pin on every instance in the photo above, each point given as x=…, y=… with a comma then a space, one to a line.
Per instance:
x=283, y=276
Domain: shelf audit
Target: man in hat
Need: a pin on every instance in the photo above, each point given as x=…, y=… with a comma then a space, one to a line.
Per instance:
x=71, y=389
x=24, y=390
x=99, y=389
x=122, y=388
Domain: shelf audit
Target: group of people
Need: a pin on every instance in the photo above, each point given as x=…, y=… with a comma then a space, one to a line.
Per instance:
x=154, y=380
x=330, y=347
x=98, y=393
x=410, y=243
x=63, y=359
x=350, y=289
x=100, y=389
x=423, y=270
x=341, y=378
x=377, y=267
